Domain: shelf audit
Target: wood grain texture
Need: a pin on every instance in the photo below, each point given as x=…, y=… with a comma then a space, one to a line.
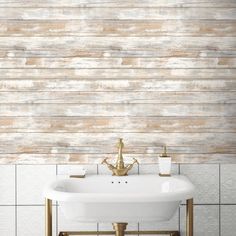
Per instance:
x=117, y=3
x=77, y=75
x=119, y=13
x=136, y=28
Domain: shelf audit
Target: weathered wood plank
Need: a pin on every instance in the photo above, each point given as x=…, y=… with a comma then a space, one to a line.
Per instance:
x=29, y=140
x=127, y=97
x=118, y=28
x=106, y=63
x=118, y=110
x=117, y=3
x=151, y=13
x=97, y=158
x=117, y=85
x=117, y=124
x=116, y=46
x=117, y=74
x=108, y=149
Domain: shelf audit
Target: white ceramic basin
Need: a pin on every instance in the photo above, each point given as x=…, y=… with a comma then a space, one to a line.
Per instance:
x=134, y=198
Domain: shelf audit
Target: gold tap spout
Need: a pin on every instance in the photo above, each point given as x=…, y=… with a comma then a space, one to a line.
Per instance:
x=120, y=169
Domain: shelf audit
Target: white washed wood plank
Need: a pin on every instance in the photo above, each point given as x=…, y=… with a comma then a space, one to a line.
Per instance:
x=117, y=43
x=97, y=158
x=119, y=13
x=28, y=140
x=117, y=3
x=118, y=28
x=109, y=149
x=118, y=110
x=52, y=85
x=117, y=124
x=116, y=74
x=109, y=63
x=127, y=97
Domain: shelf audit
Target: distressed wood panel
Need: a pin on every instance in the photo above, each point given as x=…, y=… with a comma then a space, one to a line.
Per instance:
x=151, y=63
x=116, y=46
x=97, y=158
x=118, y=74
x=76, y=75
x=29, y=140
x=138, y=28
x=118, y=110
x=117, y=85
x=150, y=97
x=117, y=124
x=117, y=3
x=119, y=13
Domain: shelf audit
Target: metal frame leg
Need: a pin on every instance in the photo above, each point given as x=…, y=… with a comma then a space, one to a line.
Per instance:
x=48, y=217
x=189, y=217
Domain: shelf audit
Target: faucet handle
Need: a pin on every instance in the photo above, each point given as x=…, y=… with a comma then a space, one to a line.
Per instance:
x=104, y=161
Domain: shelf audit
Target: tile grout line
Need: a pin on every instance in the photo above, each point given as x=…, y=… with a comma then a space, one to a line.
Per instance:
x=219, y=200
x=16, y=200
x=56, y=206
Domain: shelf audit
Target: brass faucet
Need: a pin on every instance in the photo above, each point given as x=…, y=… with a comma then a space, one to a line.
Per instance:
x=119, y=169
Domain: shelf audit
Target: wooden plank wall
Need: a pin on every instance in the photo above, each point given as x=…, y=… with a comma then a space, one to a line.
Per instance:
x=77, y=74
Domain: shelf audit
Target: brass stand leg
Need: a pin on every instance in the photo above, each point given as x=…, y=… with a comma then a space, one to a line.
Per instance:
x=119, y=228
x=189, y=217
x=48, y=217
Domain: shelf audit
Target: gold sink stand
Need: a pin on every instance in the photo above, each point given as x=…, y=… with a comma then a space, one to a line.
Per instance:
x=119, y=228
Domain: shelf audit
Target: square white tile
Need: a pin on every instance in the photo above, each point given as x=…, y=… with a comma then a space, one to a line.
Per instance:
x=7, y=221
x=206, y=220
x=228, y=219
x=154, y=169
x=172, y=224
x=205, y=177
x=31, y=180
x=7, y=184
x=228, y=183
x=31, y=220
x=67, y=225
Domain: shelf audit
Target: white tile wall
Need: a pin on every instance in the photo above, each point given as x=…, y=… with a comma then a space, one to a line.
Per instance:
x=31, y=179
x=7, y=221
x=206, y=220
x=206, y=179
x=228, y=220
x=30, y=221
x=228, y=184
x=7, y=184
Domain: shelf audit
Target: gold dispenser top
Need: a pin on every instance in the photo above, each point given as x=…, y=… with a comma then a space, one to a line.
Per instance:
x=164, y=154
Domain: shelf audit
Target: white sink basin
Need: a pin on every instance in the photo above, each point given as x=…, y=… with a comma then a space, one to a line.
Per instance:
x=134, y=198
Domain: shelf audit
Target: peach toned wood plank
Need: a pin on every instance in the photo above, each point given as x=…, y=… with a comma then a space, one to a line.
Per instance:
x=109, y=63
x=116, y=74
x=118, y=85
x=118, y=110
x=126, y=97
x=29, y=140
x=117, y=124
x=117, y=3
x=118, y=28
x=119, y=13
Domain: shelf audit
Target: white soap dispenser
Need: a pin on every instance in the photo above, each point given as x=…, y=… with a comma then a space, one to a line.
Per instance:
x=164, y=163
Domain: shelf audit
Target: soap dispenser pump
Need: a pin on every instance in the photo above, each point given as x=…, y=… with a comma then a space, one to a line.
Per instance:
x=164, y=163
